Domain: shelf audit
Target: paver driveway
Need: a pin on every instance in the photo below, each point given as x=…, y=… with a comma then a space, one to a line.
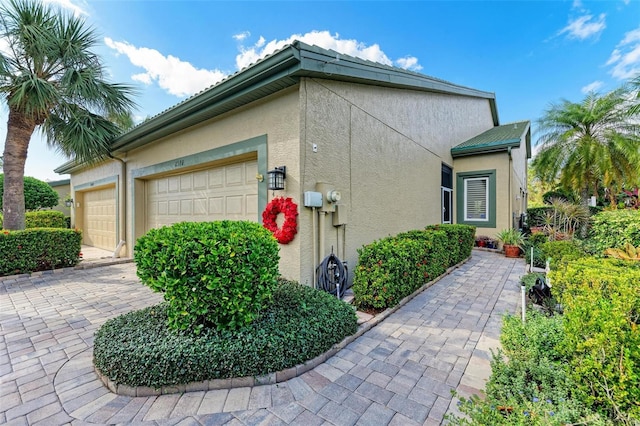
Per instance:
x=400, y=372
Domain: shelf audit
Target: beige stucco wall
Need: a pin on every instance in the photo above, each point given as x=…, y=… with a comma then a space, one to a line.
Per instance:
x=382, y=149
x=276, y=116
x=63, y=191
x=505, y=191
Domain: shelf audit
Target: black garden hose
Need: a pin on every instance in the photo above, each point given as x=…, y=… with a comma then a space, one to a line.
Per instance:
x=332, y=275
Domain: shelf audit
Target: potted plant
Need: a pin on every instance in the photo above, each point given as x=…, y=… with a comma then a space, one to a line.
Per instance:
x=491, y=243
x=481, y=240
x=511, y=240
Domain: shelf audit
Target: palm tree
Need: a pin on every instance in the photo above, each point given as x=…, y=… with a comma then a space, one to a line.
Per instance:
x=635, y=88
x=588, y=144
x=52, y=81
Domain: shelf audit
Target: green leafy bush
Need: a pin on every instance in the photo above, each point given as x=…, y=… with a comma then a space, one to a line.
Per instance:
x=38, y=249
x=561, y=252
x=615, y=228
x=601, y=300
x=534, y=241
x=37, y=194
x=298, y=324
x=461, y=239
x=394, y=267
x=536, y=216
x=45, y=219
x=529, y=383
x=212, y=274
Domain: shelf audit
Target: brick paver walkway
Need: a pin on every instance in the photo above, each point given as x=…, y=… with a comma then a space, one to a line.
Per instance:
x=401, y=372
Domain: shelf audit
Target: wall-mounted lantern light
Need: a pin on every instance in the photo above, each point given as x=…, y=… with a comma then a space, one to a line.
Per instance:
x=277, y=177
x=68, y=202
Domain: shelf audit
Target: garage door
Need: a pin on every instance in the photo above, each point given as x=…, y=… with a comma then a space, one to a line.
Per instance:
x=99, y=218
x=225, y=192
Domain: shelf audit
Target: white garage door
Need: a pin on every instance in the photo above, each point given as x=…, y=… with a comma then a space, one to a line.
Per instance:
x=225, y=192
x=99, y=218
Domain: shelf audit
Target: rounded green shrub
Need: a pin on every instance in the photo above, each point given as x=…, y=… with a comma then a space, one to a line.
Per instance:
x=212, y=274
x=298, y=324
x=45, y=219
x=37, y=194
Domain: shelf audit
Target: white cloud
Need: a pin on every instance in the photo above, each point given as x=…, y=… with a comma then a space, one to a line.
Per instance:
x=177, y=77
x=592, y=87
x=70, y=5
x=409, y=63
x=181, y=78
x=323, y=39
x=584, y=27
x=241, y=36
x=625, y=58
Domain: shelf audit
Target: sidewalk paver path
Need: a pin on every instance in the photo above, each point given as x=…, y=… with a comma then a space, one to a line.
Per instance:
x=401, y=372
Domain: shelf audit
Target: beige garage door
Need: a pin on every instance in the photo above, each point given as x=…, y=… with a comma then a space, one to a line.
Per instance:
x=225, y=192
x=99, y=218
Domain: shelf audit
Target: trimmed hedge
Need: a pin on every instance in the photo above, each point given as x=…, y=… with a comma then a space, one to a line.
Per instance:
x=213, y=274
x=45, y=219
x=298, y=324
x=38, y=249
x=601, y=301
x=394, y=267
x=461, y=239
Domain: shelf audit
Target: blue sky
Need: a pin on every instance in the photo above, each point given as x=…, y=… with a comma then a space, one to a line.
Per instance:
x=530, y=53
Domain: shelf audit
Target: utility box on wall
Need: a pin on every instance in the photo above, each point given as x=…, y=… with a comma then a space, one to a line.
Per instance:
x=340, y=215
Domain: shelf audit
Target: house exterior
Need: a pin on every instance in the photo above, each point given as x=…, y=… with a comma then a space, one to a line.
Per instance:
x=63, y=188
x=390, y=142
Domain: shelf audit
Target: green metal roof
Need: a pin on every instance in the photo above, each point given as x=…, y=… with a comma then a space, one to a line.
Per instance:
x=498, y=138
x=62, y=182
x=284, y=68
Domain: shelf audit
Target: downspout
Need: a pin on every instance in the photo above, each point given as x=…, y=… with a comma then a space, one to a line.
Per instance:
x=509, y=189
x=122, y=206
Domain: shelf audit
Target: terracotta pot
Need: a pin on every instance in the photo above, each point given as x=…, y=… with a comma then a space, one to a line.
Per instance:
x=481, y=243
x=511, y=251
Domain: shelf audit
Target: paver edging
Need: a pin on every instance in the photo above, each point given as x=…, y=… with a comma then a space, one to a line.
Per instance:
x=271, y=378
x=78, y=267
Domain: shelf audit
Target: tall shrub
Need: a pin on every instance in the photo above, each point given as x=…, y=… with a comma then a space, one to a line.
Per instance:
x=601, y=300
x=37, y=194
x=212, y=274
x=615, y=228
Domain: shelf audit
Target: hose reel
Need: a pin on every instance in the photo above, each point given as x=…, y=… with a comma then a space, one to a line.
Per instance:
x=332, y=275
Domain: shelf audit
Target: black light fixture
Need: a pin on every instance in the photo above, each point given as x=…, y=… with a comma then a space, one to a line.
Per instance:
x=68, y=202
x=277, y=177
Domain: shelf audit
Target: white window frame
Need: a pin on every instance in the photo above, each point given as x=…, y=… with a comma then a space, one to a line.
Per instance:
x=487, y=212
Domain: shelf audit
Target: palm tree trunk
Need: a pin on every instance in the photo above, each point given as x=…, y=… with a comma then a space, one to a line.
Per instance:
x=19, y=131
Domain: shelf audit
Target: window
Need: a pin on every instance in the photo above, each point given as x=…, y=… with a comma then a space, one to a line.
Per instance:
x=447, y=194
x=476, y=198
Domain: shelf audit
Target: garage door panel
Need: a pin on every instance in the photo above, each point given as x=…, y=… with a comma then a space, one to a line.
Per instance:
x=222, y=193
x=99, y=218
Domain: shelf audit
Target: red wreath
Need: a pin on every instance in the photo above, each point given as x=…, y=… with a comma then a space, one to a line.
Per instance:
x=289, y=228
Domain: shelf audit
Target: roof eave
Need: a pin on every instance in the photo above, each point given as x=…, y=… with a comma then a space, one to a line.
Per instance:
x=485, y=148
